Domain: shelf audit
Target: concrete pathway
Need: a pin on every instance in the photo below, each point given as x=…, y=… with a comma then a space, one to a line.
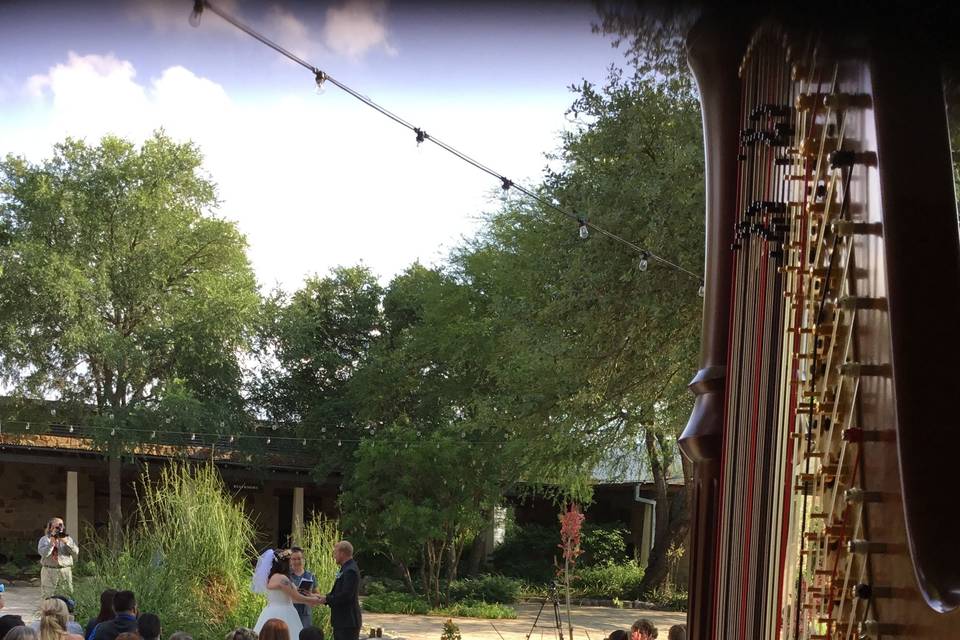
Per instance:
x=589, y=623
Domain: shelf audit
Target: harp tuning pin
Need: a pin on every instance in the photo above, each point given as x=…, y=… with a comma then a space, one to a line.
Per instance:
x=805, y=101
x=862, y=303
x=838, y=101
x=859, y=369
x=842, y=158
x=850, y=228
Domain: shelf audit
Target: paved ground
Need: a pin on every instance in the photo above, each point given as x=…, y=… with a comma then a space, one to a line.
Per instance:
x=589, y=623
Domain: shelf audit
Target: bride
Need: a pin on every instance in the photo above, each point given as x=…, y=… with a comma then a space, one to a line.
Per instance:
x=272, y=577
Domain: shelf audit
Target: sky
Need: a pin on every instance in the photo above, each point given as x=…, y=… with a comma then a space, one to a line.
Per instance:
x=313, y=178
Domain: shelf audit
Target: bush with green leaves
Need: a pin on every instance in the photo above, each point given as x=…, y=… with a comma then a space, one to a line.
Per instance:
x=492, y=611
x=528, y=552
x=610, y=581
x=319, y=537
x=450, y=631
x=603, y=544
x=187, y=559
x=487, y=588
x=394, y=602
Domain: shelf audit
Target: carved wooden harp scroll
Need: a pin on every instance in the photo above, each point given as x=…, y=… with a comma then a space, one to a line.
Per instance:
x=824, y=436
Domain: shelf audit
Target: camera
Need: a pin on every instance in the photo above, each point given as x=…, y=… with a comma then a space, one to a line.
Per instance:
x=60, y=532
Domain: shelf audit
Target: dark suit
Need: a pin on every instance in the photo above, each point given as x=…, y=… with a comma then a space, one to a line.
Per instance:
x=344, y=602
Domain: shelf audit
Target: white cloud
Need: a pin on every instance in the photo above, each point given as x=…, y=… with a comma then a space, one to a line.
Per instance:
x=357, y=26
x=172, y=15
x=313, y=181
x=290, y=32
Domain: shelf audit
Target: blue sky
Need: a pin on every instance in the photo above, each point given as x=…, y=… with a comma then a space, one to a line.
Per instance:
x=313, y=179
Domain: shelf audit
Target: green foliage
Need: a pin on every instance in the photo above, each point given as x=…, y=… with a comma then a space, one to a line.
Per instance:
x=320, y=535
x=487, y=588
x=395, y=602
x=188, y=559
x=450, y=631
x=603, y=544
x=492, y=611
x=528, y=552
x=120, y=289
x=609, y=581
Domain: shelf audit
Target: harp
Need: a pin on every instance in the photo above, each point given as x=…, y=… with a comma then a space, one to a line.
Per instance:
x=824, y=433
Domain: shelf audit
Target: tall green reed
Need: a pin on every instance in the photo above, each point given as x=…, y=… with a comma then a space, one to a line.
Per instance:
x=319, y=537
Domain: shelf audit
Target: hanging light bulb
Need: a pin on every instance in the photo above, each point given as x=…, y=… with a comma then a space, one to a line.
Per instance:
x=339, y=443
x=71, y=428
x=113, y=432
x=231, y=439
x=584, y=231
x=153, y=434
x=702, y=290
x=323, y=429
x=28, y=426
x=193, y=437
x=644, y=263
x=268, y=440
x=321, y=79
x=195, y=15
x=304, y=442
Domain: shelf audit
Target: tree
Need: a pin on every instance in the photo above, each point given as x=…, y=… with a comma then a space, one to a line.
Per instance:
x=309, y=345
x=594, y=350
x=120, y=289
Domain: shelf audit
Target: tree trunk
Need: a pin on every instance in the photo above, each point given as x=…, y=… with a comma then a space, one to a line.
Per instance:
x=116, y=510
x=407, y=578
x=673, y=519
x=478, y=554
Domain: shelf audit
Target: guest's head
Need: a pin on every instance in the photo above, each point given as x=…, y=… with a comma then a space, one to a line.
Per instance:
x=342, y=551
x=275, y=629
x=9, y=622
x=181, y=635
x=71, y=604
x=21, y=633
x=124, y=602
x=53, y=524
x=106, y=605
x=619, y=634
x=241, y=633
x=281, y=562
x=296, y=560
x=677, y=632
x=148, y=626
x=311, y=633
x=128, y=635
x=643, y=629
x=53, y=619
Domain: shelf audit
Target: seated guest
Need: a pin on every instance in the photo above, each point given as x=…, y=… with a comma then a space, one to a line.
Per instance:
x=21, y=633
x=643, y=629
x=54, y=617
x=181, y=635
x=72, y=625
x=275, y=629
x=619, y=634
x=241, y=633
x=148, y=626
x=124, y=619
x=677, y=632
x=9, y=622
x=129, y=635
x=106, y=613
x=311, y=633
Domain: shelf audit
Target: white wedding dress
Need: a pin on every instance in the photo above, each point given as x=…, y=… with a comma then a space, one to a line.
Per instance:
x=280, y=606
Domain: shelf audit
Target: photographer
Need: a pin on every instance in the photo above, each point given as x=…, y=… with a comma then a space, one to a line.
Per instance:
x=57, y=553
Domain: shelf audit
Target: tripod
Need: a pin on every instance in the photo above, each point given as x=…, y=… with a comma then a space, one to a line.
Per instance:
x=557, y=622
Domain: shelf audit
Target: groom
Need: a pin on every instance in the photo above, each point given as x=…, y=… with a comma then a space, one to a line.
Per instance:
x=344, y=597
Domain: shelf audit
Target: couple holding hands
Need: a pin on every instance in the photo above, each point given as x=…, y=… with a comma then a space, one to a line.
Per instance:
x=273, y=577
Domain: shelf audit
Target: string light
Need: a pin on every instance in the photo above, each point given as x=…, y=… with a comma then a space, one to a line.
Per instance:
x=153, y=435
x=321, y=78
x=193, y=436
x=644, y=263
x=71, y=428
x=702, y=291
x=28, y=426
x=113, y=432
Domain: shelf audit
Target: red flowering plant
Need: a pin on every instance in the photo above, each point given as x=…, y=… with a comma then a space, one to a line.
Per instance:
x=571, y=521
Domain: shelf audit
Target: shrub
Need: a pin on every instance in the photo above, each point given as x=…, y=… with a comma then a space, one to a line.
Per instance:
x=319, y=537
x=450, y=631
x=493, y=589
x=528, y=552
x=188, y=559
x=670, y=599
x=393, y=602
x=494, y=611
x=603, y=544
x=610, y=581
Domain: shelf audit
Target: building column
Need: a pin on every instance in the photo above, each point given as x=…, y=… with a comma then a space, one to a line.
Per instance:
x=71, y=518
x=297, y=525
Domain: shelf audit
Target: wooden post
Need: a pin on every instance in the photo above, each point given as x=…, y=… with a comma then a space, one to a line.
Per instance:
x=297, y=524
x=71, y=513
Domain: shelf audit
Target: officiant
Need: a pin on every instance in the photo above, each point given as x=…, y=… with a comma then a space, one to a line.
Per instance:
x=304, y=581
